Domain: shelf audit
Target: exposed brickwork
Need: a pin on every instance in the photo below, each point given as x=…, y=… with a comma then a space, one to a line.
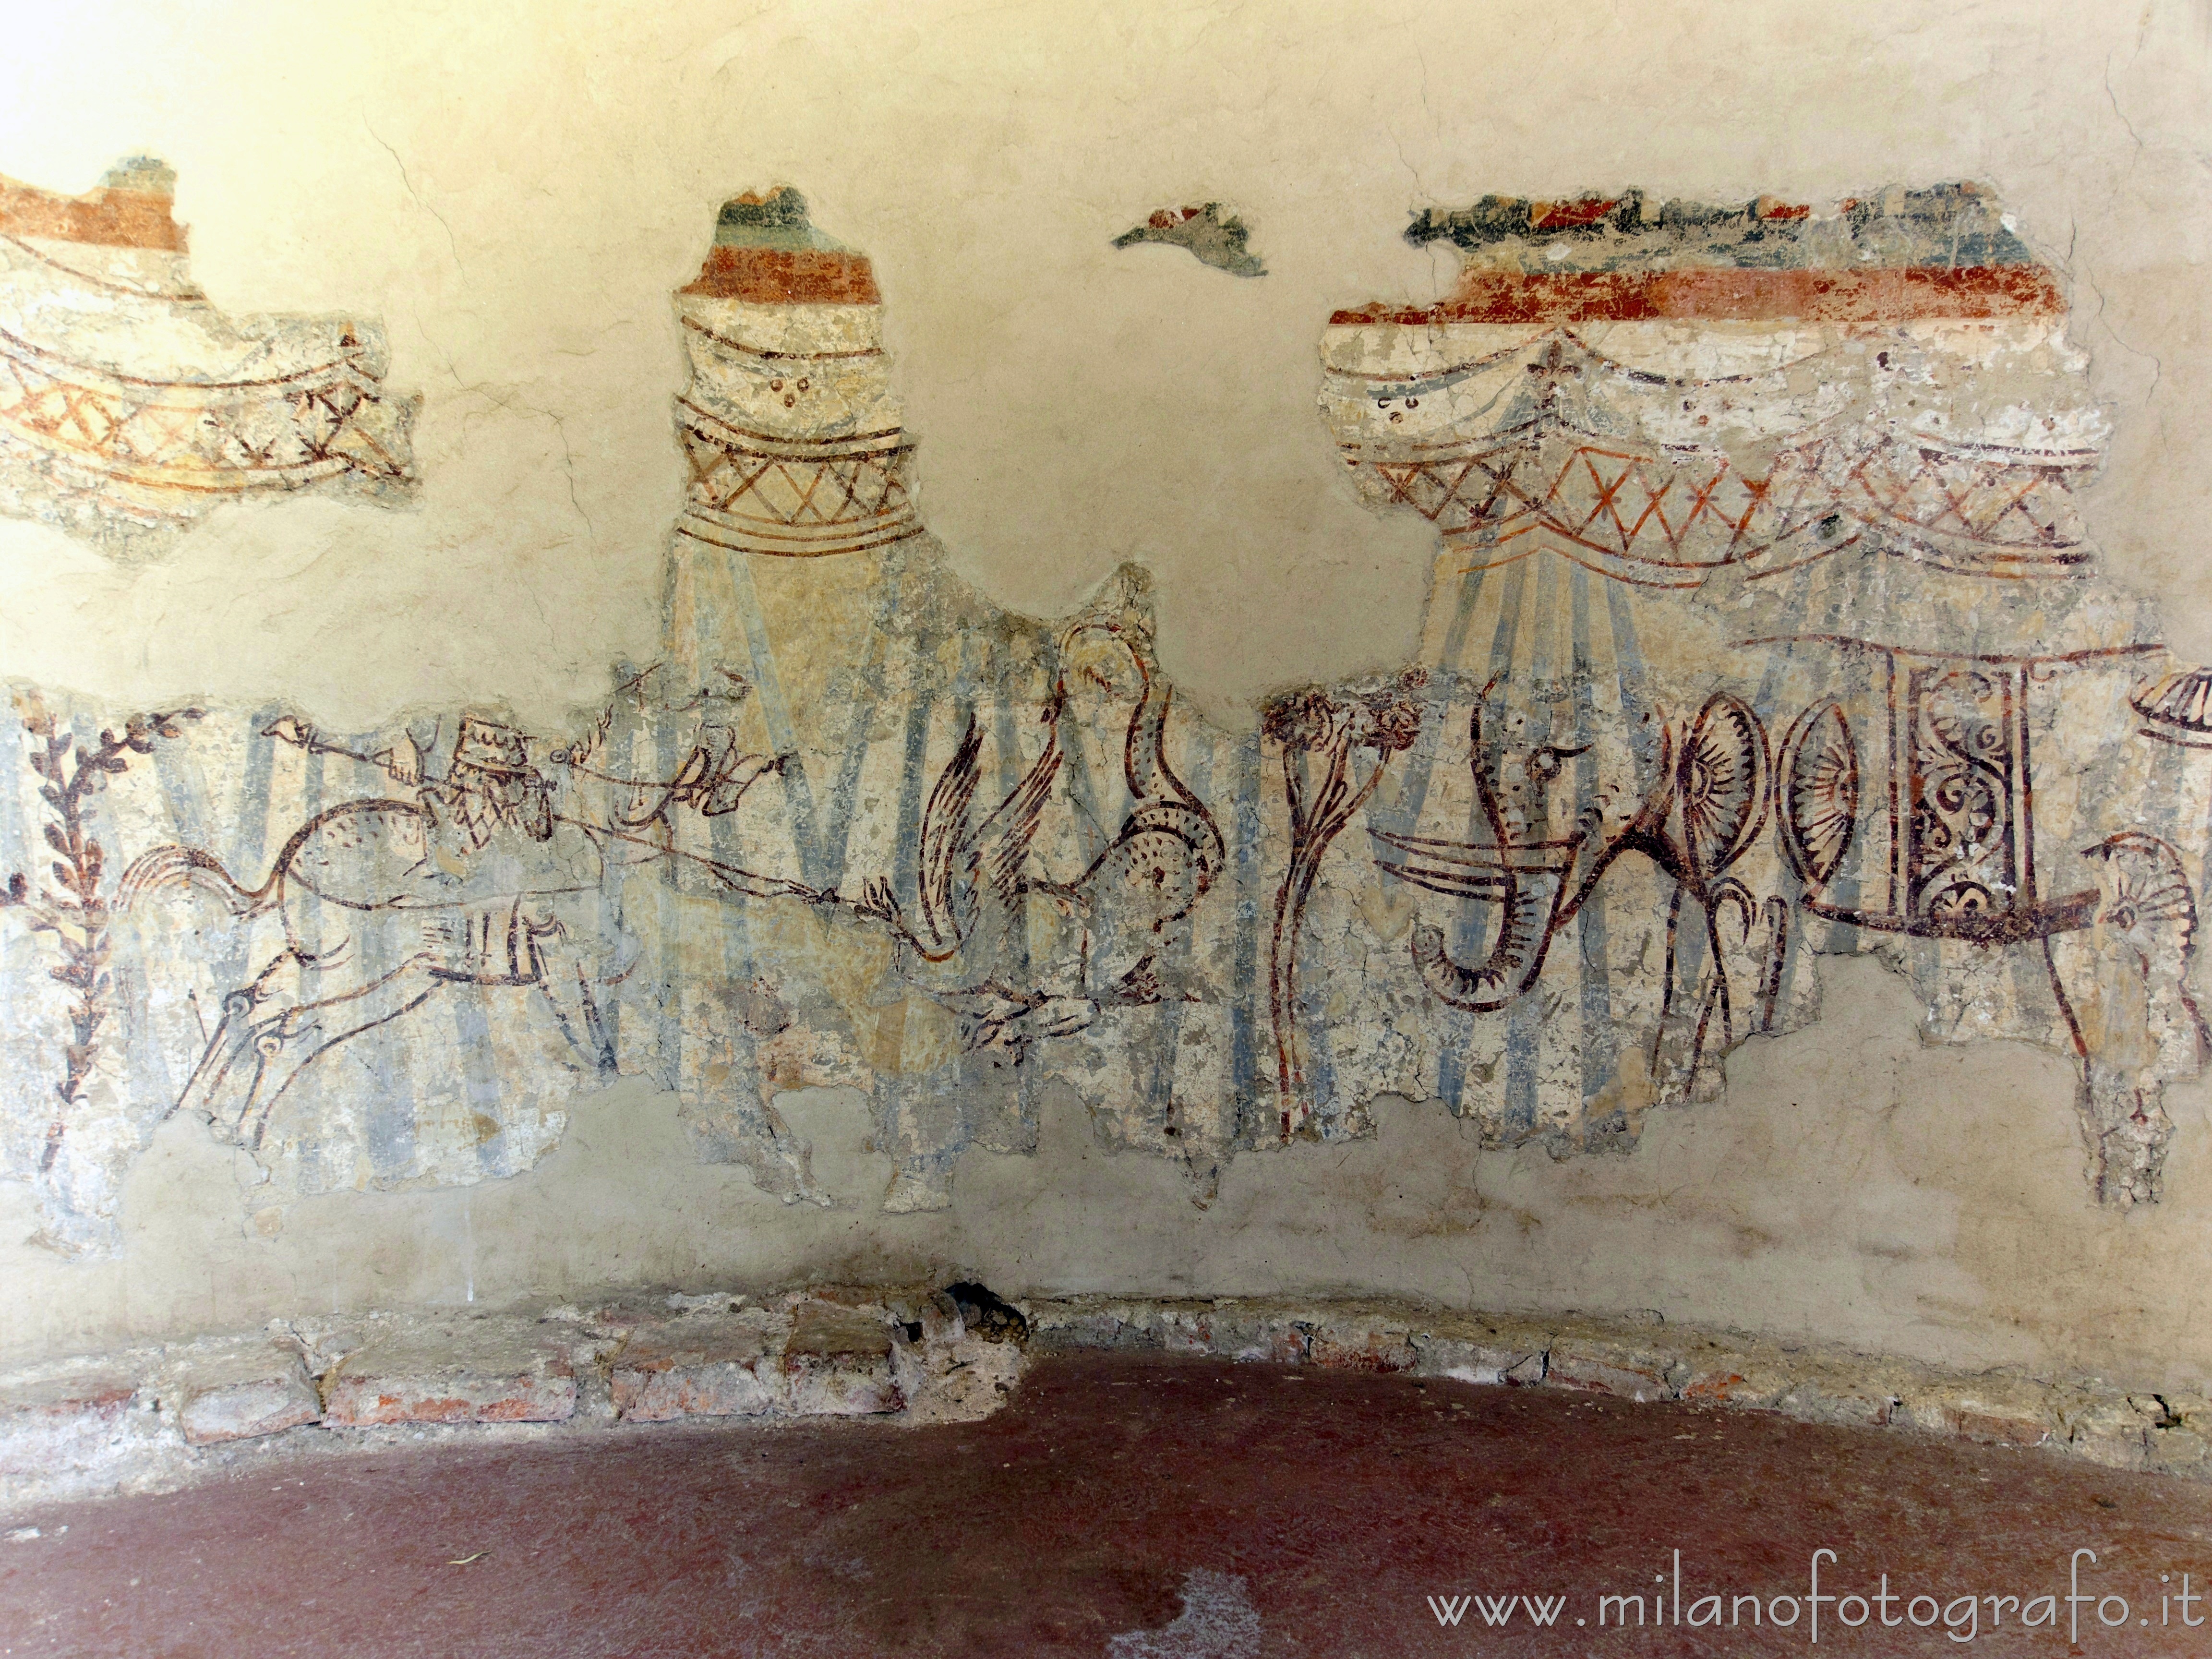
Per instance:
x=838, y=1363
x=502, y=1370
x=1128, y=1505
x=1647, y=1359
x=246, y=1411
x=72, y=1423
x=701, y=1365
x=153, y=1418
x=240, y=1390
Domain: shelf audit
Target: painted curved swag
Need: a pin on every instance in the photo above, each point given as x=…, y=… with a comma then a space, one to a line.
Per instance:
x=130, y=406
x=1762, y=625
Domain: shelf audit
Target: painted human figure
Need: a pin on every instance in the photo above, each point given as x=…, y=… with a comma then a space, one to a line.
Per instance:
x=472, y=878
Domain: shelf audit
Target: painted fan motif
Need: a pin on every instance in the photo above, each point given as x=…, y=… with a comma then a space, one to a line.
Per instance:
x=2177, y=708
x=2146, y=890
x=1722, y=784
x=1820, y=789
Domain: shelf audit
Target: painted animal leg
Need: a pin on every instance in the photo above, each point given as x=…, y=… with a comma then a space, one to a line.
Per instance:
x=229, y=1063
x=1778, y=952
x=1715, y=997
x=568, y=992
x=571, y=979
x=2126, y=1003
x=1715, y=1018
x=1667, y=981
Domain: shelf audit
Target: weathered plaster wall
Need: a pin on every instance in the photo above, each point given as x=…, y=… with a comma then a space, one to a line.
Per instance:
x=1844, y=1187
x=514, y=205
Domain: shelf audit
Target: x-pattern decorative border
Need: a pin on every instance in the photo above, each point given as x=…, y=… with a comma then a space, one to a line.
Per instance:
x=1589, y=500
x=726, y=478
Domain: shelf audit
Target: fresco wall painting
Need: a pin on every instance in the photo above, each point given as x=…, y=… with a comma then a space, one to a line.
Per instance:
x=1762, y=625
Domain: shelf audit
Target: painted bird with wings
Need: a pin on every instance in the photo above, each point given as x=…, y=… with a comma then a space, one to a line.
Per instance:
x=971, y=948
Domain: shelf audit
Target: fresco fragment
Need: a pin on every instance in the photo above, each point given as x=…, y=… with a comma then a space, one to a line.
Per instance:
x=1763, y=625
x=130, y=406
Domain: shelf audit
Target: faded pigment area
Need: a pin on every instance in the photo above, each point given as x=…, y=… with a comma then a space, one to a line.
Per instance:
x=1763, y=888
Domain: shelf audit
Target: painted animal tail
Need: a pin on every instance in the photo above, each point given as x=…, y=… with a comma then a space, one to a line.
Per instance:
x=170, y=867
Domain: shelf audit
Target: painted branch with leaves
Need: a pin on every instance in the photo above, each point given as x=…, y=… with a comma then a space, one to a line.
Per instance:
x=72, y=908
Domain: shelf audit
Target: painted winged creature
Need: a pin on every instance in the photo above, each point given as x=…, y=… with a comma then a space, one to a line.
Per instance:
x=984, y=915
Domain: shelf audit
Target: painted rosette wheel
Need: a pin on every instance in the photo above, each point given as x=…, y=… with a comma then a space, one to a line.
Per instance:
x=1820, y=789
x=1722, y=782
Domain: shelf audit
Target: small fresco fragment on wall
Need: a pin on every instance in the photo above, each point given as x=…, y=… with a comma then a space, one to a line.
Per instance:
x=1210, y=234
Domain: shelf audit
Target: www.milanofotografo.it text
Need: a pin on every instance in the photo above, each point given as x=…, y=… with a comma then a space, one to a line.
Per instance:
x=2086, y=1605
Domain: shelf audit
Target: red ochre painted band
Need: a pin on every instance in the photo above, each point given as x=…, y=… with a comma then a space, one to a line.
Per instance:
x=1732, y=294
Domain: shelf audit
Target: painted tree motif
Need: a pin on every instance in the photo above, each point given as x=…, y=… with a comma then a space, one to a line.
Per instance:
x=74, y=909
x=1322, y=735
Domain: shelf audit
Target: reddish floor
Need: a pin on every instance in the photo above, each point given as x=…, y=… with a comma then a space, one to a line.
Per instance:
x=1305, y=1512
